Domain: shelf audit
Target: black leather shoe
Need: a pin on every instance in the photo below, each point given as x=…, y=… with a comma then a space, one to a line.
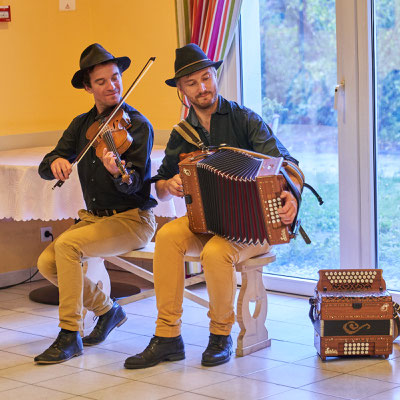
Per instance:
x=218, y=351
x=159, y=349
x=113, y=318
x=67, y=345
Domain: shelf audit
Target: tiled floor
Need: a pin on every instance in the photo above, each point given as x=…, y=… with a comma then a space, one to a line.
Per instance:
x=289, y=369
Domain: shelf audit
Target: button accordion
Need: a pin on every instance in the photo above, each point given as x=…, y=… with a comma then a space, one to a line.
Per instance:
x=235, y=194
x=352, y=314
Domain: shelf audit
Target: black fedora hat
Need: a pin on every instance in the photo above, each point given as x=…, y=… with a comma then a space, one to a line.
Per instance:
x=93, y=55
x=189, y=59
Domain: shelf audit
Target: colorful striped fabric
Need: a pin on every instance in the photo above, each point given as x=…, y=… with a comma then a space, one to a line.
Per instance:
x=208, y=23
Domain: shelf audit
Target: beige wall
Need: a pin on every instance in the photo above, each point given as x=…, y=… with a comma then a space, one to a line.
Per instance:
x=40, y=50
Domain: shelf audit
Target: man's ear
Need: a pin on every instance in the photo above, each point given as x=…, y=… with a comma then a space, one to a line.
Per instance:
x=88, y=89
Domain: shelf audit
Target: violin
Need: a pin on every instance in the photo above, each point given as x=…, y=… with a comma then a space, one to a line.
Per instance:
x=106, y=127
x=114, y=137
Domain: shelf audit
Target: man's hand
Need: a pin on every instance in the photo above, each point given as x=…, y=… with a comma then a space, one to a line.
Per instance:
x=110, y=164
x=174, y=186
x=61, y=168
x=166, y=189
x=288, y=212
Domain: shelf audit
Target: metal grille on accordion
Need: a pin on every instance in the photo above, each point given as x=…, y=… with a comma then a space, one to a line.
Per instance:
x=234, y=195
x=352, y=314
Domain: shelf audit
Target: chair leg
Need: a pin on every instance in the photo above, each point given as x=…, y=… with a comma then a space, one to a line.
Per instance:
x=253, y=333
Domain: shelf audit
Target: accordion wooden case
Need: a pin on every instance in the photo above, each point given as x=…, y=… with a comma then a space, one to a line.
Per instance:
x=352, y=314
x=234, y=195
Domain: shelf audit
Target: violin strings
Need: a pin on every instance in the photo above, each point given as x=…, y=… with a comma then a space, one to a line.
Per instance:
x=111, y=144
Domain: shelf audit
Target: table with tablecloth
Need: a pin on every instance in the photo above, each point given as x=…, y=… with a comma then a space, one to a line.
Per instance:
x=25, y=196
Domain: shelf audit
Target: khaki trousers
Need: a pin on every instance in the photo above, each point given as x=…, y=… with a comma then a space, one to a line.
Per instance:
x=218, y=257
x=61, y=261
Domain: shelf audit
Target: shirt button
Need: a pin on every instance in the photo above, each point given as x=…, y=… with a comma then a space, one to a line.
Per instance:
x=94, y=199
x=91, y=180
x=94, y=161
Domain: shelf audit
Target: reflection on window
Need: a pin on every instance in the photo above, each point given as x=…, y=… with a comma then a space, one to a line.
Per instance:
x=387, y=23
x=298, y=76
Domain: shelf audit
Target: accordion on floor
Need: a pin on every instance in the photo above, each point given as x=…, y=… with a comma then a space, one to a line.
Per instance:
x=352, y=314
x=236, y=194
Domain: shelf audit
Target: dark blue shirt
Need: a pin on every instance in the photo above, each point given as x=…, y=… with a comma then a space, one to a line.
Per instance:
x=231, y=124
x=100, y=189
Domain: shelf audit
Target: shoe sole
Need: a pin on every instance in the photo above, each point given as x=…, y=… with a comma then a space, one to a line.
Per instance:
x=172, y=357
x=116, y=326
x=214, y=364
x=58, y=362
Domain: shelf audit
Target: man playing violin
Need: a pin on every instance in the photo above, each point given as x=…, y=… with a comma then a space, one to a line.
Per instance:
x=119, y=214
x=215, y=121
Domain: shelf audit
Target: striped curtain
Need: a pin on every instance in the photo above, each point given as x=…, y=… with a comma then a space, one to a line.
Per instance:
x=208, y=23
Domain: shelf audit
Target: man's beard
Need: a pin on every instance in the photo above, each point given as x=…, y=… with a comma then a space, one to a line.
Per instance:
x=207, y=105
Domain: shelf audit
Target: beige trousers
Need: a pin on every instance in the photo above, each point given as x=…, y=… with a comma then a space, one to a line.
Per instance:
x=61, y=261
x=218, y=258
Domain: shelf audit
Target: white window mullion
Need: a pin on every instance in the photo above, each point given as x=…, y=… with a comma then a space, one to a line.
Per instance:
x=355, y=127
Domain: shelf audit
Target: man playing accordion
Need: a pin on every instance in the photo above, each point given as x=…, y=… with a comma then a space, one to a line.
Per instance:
x=216, y=121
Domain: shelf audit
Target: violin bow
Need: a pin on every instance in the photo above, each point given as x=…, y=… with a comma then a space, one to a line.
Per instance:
x=110, y=117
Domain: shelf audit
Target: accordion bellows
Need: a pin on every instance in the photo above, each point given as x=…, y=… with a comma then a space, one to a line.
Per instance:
x=235, y=195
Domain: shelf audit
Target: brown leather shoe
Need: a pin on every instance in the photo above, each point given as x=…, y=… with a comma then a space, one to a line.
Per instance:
x=67, y=345
x=113, y=318
x=218, y=351
x=159, y=349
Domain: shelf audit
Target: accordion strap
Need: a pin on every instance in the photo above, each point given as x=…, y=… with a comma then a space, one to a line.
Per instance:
x=189, y=133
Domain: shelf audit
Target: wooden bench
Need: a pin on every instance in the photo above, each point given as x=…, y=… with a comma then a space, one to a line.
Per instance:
x=253, y=334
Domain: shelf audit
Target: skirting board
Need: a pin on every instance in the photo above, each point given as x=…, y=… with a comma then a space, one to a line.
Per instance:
x=15, y=277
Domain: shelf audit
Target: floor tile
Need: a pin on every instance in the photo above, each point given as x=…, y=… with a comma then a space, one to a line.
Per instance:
x=285, y=351
x=48, y=329
x=8, y=296
x=118, y=369
x=299, y=394
x=135, y=344
x=10, y=338
x=33, y=393
x=21, y=304
x=19, y=320
x=340, y=364
x=139, y=389
x=241, y=388
x=95, y=357
x=83, y=382
x=139, y=325
x=349, y=387
x=187, y=378
x=292, y=375
x=393, y=394
x=244, y=365
x=31, y=349
x=32, y=373
x=9, y=360
x=388, y=371
x=7, y=384
x=190, y=396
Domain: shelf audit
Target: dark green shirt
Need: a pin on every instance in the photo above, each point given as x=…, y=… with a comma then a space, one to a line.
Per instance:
x=100, y=189
x=231, y=124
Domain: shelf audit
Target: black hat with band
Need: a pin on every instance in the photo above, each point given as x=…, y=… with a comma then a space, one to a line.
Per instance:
x=93, y=55
x=189, y=59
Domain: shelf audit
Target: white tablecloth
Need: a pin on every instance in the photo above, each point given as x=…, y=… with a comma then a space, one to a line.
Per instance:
x=25, y=196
